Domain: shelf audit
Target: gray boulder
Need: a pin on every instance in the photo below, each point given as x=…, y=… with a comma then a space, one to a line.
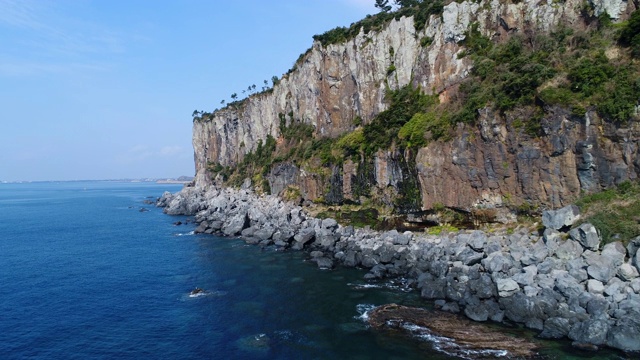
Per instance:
x=329, y=223
x=264, y=233
x=587, y=235
x=477, y=240
x=497, y=262
x=236, y=224
x=527, y=275
x=595, y=286
x=551, y=238
x=601, y=269
x=615, y=253
x=433, y=288
x=324, y=263
x=568, y=250
x=627, y=272
x=625, y=335
x=555, y=328
x=568, y=286
x=304, y=236
x=592, y=331
x=477, y=312
x=633, y=246
x=598, y=306
x=507, y=287
x=558, y=219
x=470, y=257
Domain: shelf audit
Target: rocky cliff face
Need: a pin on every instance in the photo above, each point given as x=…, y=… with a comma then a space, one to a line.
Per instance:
x=483, y=166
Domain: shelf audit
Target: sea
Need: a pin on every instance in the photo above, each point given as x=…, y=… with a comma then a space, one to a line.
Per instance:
x=93, y=270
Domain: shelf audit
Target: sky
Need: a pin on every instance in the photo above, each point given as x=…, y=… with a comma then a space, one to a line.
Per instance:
x=105, y=89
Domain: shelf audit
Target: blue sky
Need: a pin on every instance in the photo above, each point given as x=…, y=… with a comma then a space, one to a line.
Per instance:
x=104, y=89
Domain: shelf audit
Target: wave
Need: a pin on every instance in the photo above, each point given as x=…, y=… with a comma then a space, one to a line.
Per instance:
x=396, y=285
x=363, y=312
x=187, y=234
x=450, y=346
x=207, y=293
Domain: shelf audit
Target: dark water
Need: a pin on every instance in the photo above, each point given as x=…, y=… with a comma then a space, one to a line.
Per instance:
x=84, y=274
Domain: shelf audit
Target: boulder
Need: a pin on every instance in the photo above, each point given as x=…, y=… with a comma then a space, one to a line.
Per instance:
x=568, y=250
x=324, y=263
x=561, y=218
x=633, y=246
x=477, y=240
x=627, y=272
x=483, y=287
x=592, y=331
x=507, y=287
x=433, y=288
x=614, y=253
x=470, y=257
x=551, y=238
x=587, y=235
x=264, y=233
x=555, y=328
x=497, y=262
x=568, y=286
x=527, y=275
x=304, y=236
x=235, y=225
x=595, y=286
x=625, y=335
x=329, y=223
x=601, y=269
x=598, y=306
x=479, y=312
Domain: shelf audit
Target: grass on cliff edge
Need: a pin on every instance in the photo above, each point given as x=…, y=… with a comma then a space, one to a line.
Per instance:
x=614, y=212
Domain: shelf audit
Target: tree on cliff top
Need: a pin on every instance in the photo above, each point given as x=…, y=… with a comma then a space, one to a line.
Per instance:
x=383, y=5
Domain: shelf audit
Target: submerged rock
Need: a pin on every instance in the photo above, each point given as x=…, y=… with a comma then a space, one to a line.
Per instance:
x=466, y=335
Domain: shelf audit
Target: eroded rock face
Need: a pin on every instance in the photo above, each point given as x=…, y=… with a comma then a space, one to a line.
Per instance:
x=483, y=166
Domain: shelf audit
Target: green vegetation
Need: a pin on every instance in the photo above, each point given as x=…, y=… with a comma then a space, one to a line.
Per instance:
x=564, y=68
x=404, y=103
x=419, y=9
x=433, y=124
x=442, y=229
x=630, y=34
x=357, y=218
x=614, y=212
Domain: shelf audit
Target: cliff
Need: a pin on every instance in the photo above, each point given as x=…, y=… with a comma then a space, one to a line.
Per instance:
x=491, y=162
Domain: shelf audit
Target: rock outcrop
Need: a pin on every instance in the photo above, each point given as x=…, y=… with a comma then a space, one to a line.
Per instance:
x=492, y=165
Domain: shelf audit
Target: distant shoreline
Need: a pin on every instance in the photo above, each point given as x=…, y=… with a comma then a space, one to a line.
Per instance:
x=146, y=180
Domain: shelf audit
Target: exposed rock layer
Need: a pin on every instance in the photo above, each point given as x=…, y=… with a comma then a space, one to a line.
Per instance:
x=484, y=166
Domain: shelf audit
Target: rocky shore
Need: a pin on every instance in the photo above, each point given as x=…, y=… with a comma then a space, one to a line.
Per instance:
x=561, y=283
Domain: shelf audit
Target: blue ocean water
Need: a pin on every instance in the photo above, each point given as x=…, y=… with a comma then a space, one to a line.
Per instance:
x=86, y=272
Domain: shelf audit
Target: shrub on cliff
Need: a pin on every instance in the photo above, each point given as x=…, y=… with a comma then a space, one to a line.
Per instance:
x=564, y=68
x=614, y=212
x=630, y=34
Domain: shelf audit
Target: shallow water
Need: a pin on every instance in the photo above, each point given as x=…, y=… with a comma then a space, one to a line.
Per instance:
x=86, y=274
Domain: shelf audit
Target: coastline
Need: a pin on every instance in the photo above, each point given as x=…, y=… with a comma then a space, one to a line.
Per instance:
x=557, y=283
